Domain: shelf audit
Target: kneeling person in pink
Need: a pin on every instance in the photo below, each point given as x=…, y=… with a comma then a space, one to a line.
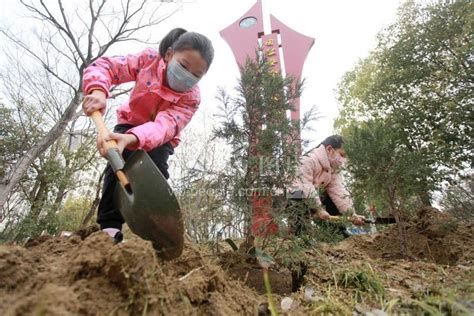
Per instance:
x=318, y=189
x=162, y=102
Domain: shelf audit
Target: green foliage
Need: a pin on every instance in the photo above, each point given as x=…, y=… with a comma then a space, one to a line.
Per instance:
x=73, y=212
x=263, y=139
x=412, y=99
x=329, y=306
x=300, y=220
x=29, y=227
x=9, y=148
x=49, y=221
x=49, y=178
x=328, y=232
x=383, y=166
x=362, y=279
x=288, y=252
x=19, y=131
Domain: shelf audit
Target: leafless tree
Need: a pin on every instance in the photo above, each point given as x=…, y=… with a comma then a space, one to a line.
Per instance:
x=200, y=188
x=67, y=39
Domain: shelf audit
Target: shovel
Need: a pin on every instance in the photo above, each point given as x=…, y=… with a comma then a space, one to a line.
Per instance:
x=145, y=198
x=377, y=220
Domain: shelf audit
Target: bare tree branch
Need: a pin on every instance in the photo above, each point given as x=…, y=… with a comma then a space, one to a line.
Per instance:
x=94, y=17
x=38, y=58
x=55, y=91
x=68, y=31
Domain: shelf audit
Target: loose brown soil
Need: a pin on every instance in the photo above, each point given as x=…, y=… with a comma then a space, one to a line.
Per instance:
x=92, y=276
x=438, y=268
x=432, y=236
x=87, y=274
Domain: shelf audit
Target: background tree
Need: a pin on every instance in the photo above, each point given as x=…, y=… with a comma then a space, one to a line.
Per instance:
x=384, y=172
x=417, y=86
x=49, y=179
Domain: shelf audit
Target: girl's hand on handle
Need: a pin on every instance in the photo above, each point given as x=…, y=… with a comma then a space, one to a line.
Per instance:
x=95, y=101
x=123, y=140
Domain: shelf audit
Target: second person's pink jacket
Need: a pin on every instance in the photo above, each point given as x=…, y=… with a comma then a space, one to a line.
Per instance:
x=315, y=173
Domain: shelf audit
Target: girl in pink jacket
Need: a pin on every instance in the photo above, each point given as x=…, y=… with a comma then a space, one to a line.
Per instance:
x=319, y=185
x=161, y=104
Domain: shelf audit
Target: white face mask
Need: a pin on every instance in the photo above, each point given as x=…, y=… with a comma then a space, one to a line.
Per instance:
x=337, y=161
x=179, y=79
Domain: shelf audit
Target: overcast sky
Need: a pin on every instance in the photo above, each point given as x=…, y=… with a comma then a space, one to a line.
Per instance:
x=344, y=31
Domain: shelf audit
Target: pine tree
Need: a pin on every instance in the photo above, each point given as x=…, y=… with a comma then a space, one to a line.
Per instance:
x=265, y=141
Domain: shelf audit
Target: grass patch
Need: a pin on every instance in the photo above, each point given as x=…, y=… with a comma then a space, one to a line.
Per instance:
x=429, y=305
x=328, y=232
x=363, y=280
x=329, y=306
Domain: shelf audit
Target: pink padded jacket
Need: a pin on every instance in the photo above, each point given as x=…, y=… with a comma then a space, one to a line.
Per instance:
x=158, y=112
x=315, y=173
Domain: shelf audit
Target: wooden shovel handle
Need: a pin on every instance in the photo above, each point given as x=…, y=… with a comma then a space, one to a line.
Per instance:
x=102, y=130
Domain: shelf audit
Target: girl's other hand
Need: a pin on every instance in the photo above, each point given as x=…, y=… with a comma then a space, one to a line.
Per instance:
x=95, y=101
x=358, y=219
x=123, y=140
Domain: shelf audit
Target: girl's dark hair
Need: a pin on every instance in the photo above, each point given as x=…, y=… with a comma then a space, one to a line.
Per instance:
x=335, y=141
x=179, y=40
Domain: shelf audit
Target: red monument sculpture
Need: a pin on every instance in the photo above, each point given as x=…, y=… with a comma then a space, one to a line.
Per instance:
x=287, y=50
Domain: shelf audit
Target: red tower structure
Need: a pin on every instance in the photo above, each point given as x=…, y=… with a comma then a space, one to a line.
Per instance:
x=287, y=50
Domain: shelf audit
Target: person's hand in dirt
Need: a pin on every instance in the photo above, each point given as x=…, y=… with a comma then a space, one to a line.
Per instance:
x=95, y=101
x=123, y=140
x=358, y=219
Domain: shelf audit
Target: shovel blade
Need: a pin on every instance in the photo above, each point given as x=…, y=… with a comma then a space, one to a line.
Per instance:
x=151, y=210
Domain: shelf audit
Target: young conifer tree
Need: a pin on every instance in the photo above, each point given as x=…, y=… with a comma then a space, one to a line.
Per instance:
x=264, y=140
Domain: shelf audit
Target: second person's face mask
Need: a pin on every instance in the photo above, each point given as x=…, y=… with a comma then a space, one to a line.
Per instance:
x=338, y=161
x=179, y=79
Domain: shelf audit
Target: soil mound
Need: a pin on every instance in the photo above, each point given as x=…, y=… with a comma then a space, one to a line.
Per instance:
x=88, y=274
x=431, y=235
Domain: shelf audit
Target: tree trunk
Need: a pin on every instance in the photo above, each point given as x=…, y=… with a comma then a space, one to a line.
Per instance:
x=396, y=211
x=401, y=232
x=95, y=203
x=62, y=186
x=11, y=180
x=39, y=199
